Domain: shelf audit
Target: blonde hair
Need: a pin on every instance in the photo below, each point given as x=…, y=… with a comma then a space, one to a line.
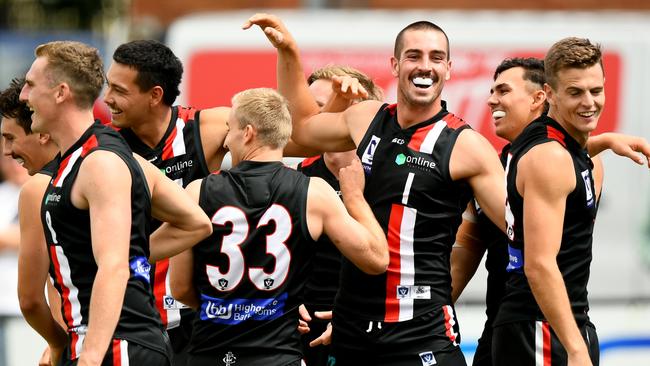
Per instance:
x=76, y=64
x=267, y=111
x=327, y=72
x=571, y=52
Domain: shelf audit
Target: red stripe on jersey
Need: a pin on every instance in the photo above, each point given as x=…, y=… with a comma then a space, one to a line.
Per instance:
x=449, y=323
x=111, y=125
x=555, y=134
x=393, y=275
x=160, y=289
x=74, y=339
x=62, y=167
x=90, y=144
x=546, y=335
x=391, y=108
x=419, y=136
x=309, y=161
x=168, y=151
x=65, y=292
x=186, y=114
x=117, y=353
x=453, y=121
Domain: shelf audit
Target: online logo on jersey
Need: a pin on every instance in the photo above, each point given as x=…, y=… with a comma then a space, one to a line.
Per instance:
x=176, y=169
x=52, y=197
x=416, y=162
x=236, y=311
x=140, y=268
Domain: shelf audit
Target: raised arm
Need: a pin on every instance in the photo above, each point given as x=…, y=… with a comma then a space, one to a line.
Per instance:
x=33, y=264
x=325, y=131
x=544, y=188
x=184, y=222
x=108, y=199
x=357, y=235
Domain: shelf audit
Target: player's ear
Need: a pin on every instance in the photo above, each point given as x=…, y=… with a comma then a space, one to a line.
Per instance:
x=157, y=93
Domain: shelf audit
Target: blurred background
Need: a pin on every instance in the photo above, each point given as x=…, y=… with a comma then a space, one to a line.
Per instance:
x=221, y=59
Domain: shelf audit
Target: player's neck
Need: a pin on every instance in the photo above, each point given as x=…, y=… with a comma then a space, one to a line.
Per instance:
x=151, y=131
x=70, y=126
x=262, y=154
x=580, y=136
x=409, y=114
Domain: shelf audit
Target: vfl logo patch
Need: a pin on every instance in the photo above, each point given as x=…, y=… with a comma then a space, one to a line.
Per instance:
x=427, y=358
x=369, y=153
x=586, y=177
x=268, y=283
x=223, y=283
x=140, y=269
x=169, y=303
x=413, y=292
x=403, y=292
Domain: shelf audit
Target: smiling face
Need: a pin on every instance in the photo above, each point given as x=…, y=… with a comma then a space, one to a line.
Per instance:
x=128, y=104
x=24, y=148
x=422, y=67
x=578, y=99
x=513, y=103
x=40, y=95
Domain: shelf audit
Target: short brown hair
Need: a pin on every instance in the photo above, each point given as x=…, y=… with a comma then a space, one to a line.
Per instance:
x=420, y=25
x=571, y=52
x=327, y=72
x=267, y=111
x=76, y=64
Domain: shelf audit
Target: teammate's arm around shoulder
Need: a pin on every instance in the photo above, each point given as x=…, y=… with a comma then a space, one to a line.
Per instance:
x=33, y=264
x=355, y=232
x=632, y=147
x=545, y=177
x=474, y=159
x=103, y=187
x=184, y=222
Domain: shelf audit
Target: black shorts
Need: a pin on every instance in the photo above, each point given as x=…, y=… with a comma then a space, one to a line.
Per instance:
x=124, y=353
x=236, y=357
x=315, y=356
x=483, y=354
x=535, y=343
x=415, y=342
x=180, y=337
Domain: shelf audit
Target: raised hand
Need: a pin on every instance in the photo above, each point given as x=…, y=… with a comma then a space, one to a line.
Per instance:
x=273, y=28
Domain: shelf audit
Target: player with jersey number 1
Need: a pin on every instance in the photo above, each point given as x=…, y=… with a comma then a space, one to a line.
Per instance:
x=266, y=217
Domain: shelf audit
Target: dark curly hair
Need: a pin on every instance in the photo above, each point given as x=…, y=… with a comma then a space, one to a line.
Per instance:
x=156, y=65
x=12, y=107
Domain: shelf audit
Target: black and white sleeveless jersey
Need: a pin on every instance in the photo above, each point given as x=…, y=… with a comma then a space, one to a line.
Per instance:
x=414, y=199
x=179, y=155
x=73, y=268
x=323, y=282
x=251, y=271
x=574, y=256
